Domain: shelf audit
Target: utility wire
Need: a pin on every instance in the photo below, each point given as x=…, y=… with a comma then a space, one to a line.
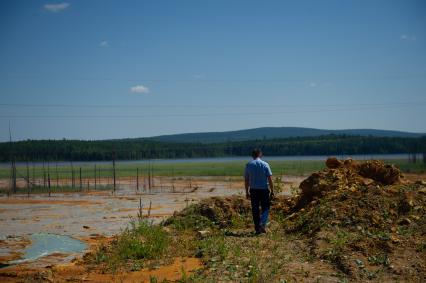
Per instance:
x=207, y=80
x=30, y=105
x=201, y=114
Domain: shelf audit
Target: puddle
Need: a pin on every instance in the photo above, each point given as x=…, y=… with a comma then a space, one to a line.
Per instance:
x=43, y=244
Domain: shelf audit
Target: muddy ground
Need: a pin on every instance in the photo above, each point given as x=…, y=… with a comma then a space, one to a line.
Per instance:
x=92, y=214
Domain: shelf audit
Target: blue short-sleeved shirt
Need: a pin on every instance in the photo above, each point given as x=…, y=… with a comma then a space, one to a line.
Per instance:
x=258, y=171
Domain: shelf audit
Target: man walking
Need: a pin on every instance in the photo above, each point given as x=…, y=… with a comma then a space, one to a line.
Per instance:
x=257, y=176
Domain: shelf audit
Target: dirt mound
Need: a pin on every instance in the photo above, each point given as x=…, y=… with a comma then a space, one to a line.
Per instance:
x=222, y=210
x=346, y=175
x=212, y=211
x=363, y=220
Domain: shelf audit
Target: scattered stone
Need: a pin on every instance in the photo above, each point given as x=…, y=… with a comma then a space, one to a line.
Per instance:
x=359, y=262
x=404, y=221
x=394, y=239
x=203, y=233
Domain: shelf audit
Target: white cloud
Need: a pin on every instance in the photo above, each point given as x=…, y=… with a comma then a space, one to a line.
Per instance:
x=104, y=43
x=57, y=7
x=198, y=76
x=139, y=89
x=406, y=37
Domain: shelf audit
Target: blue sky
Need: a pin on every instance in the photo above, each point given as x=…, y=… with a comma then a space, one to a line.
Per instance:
x=115, y=69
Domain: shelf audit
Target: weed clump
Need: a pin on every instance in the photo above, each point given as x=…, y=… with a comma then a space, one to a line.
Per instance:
x=140, y=242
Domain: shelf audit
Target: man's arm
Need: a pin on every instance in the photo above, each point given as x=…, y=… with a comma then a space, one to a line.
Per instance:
x=271, y=185
x=247, y=185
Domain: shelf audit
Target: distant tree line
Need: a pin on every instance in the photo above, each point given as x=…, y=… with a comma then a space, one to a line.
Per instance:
x=133, y=149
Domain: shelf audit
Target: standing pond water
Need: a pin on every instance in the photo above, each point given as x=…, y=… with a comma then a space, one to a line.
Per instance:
x=43, y=244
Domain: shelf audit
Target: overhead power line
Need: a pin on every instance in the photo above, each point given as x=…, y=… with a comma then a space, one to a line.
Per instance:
x=204, y=114
x=195, y=79
x=40, y=105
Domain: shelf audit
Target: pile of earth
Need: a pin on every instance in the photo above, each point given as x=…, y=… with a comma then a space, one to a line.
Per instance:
x=217, y=211
x=364, y=219
x=346, y=175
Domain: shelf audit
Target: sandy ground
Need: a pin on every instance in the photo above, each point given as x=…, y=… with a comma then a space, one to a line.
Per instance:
x=91, y=215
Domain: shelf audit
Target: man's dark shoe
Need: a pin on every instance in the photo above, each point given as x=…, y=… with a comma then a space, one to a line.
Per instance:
x=262, y=229
x=257, y=230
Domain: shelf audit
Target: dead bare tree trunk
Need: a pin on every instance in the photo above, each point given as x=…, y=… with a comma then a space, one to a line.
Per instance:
x=48, y=180
x=113, y=175
x=81, y=182
x=28, y=179
x=13, y=177
x=72, y=177
x=149, y=209
x=137, y=180
x=173, y=179
x=44, y=176
x=95, y=177
x=57, y=174
x=149, y=177
x=152, y=178
x=34, y=180
x=13, y=166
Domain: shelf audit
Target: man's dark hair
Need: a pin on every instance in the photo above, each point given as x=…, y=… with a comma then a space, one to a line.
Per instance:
x=257, y=152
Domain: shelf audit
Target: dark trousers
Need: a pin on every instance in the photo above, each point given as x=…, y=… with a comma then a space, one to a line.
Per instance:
x=260, y=197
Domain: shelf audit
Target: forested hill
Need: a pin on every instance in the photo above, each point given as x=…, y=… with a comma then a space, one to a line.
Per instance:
x=276, y=133
x=147, y=148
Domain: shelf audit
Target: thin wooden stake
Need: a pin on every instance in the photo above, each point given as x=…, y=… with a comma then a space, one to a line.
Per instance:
x=57, y=175
x=81, y=182
x=48, y=181
x=149, y=209
x=95, y=177
x=137, y=180
x=113, y=172
x=28, y=179
x=44, y=176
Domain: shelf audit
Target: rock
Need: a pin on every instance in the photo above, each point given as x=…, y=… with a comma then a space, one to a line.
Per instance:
x=367, y=181
x=394, y=239
x=359, y=262
x=203, y=233
x=351, y=164
x=292, y=216
x=167, y=229
x=86, y=227
x=379, y=172
x=404, y=221
x=333, y=162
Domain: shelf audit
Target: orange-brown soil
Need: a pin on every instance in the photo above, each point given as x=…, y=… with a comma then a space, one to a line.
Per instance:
x=76, y=272
x=46, y=201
